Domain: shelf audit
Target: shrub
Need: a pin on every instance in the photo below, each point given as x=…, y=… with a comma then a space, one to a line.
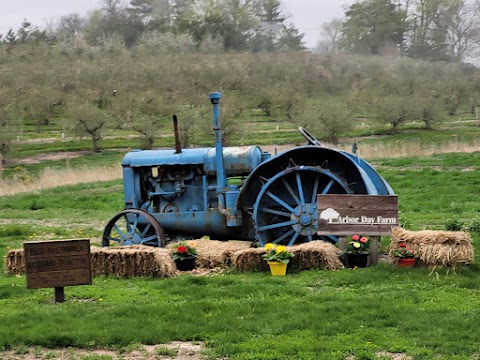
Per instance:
x=453, y=225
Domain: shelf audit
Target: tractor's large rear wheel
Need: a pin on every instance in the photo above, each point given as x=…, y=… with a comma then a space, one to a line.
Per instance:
x=134, y=227
x=285, y=210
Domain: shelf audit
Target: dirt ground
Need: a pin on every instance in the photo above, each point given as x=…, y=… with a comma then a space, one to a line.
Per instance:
x=177, y=350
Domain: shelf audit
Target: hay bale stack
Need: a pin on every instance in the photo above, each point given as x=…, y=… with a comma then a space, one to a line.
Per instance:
x=132, y=261
x=250, y=260
x=435, y=248
x=214, y=253
x=316, y=255
x=14, y=262
x=312, y=255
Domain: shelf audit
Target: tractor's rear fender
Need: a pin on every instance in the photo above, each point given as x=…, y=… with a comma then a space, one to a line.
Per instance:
x=357, y=173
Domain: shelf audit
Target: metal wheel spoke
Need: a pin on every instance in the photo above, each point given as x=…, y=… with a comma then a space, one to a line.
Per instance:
x=309, y=236
x=135, y=223
x=144, y=240
x=315, y=189
x=300, y=191
x=290, y=190
x=284, y=236
x=333, y=238
x=277, y=225
x=280, y=201
x=129, y=226
x=117, y=229
x=144, y=232
x=294, y=238
x=275, y=212
x=327, y=188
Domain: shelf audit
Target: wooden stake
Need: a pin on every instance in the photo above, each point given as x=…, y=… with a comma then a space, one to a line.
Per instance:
x=59, y=294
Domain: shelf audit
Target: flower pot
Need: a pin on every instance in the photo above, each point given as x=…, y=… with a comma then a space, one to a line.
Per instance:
x=406, y=262
x=357, y=260
x=277, y=268
x=185, y=264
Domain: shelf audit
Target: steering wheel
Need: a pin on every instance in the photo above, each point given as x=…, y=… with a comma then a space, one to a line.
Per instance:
x=312, y=140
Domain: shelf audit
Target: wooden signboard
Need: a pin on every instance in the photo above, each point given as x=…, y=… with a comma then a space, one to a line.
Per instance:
x=357, y=214
x=57, y=264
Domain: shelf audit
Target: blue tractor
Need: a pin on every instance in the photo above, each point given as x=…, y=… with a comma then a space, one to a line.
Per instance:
x=239, y=193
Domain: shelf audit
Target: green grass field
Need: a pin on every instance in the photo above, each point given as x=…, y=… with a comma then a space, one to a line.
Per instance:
x=309, y=315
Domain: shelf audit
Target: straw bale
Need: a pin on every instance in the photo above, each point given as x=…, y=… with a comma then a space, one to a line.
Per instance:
x=132, y=261
x=312, y=255
x=316, y=255
x=435, y=248
x=250, y=260
x=14, y=262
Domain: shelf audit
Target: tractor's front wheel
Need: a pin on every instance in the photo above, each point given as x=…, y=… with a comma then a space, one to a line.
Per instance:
x=134, y=227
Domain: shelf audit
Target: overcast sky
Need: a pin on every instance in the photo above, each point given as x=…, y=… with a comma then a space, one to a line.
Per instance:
x=307, y=15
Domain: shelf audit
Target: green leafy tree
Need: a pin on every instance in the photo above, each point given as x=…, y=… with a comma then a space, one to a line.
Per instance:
x=290, y=39
x=373, y=27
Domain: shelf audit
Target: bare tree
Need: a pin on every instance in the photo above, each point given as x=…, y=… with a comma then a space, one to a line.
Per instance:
x=330, y=34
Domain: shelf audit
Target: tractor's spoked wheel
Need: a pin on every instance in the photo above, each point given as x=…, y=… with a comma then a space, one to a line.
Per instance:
x=312, y=140
x=134, y=227
x=286, y=208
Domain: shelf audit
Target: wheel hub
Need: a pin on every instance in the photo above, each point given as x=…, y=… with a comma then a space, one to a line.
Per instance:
x=305, y=219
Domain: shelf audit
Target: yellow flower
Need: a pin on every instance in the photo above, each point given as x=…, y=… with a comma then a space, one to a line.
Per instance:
x=192, y=243
x=269, y=246
x=356, y=245
x=281, y=248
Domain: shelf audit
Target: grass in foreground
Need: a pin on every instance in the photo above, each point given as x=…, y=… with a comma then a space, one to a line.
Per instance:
x=314, y=314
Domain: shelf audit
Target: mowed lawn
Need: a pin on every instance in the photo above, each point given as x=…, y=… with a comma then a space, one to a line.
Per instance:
x=369, y=313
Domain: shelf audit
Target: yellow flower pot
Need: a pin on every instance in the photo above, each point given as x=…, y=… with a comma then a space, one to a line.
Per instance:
x=277, y=268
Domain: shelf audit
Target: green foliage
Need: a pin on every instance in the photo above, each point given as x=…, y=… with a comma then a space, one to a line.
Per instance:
x=373, y=27
x=453, y=225
x=474, y=225
x=164, y=351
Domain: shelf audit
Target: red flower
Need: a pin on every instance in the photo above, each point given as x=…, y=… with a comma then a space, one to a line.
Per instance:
x=363, y=239
x=402, y=245
x=182, y=249
x=355, y=237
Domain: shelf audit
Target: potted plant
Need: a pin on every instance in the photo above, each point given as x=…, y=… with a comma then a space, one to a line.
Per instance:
x=357, y=251
x=277, y=257
x=184, y=256
x=405, y=257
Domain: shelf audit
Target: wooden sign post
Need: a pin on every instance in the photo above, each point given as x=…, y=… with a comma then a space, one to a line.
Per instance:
x=370, y=215
x=57, y=264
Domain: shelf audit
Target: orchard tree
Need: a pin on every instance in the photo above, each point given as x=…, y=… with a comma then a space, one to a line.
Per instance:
x=393, y=110
x=88, y=118
x=330, y=120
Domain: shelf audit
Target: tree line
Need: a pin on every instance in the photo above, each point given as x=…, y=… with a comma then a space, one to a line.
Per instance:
x=436, y=30
x=231, y=25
